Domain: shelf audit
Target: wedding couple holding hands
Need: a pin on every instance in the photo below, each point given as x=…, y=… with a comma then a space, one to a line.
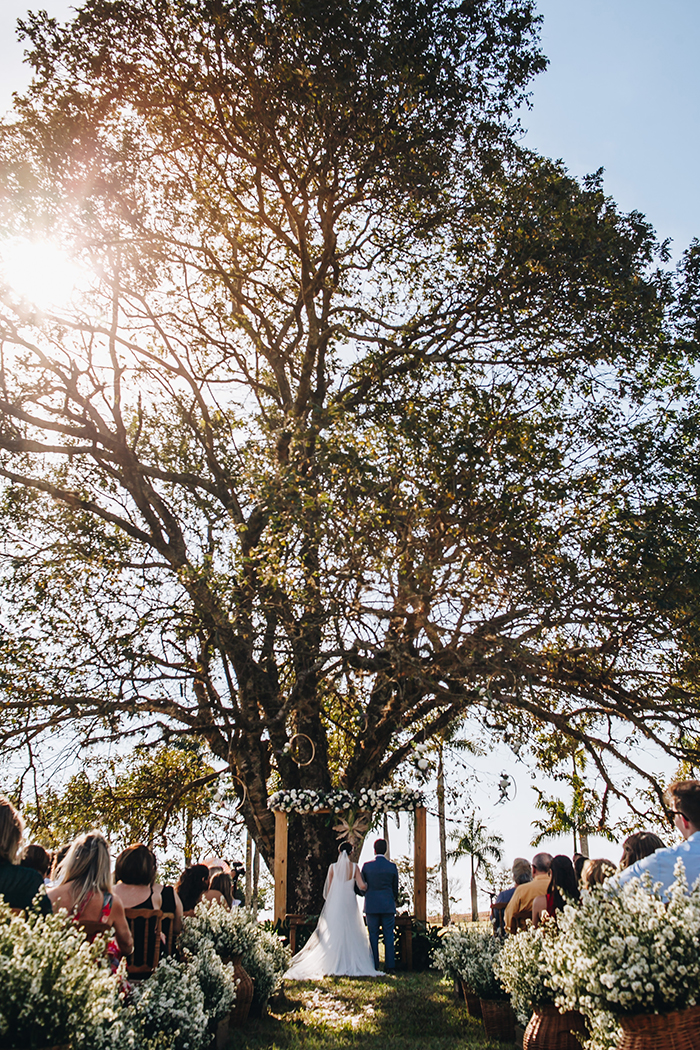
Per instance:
x=339, y=945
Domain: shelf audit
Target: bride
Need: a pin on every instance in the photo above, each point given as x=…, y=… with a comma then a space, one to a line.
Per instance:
x=339, y=944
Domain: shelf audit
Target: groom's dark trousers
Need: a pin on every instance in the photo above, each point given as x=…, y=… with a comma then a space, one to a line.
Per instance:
x=382, y=878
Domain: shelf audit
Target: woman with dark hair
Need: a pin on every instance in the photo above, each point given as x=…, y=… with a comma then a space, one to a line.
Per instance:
x=84, y=888
x=636, y=847
x=36, y=857
x=18, y=886
x=136, y=886
x=563, y=889
x=191, y=887
x=223, y=884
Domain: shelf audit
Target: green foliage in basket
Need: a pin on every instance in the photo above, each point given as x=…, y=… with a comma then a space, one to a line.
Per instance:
x=54, y=986
x=469, y=951
x=626, y=951
x=523, y=969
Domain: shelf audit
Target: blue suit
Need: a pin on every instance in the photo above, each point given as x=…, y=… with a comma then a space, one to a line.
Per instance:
x=382, y=878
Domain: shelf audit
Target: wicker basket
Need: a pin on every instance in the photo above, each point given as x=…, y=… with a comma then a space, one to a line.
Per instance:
x=244, y=994
x=679, y=1030
x=471, y=1001
x=549, y=1030
x=499, y=1019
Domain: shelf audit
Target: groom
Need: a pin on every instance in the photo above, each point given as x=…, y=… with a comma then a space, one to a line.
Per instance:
x=382, y=878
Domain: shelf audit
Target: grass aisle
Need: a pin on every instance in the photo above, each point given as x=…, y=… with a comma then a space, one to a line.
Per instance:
x=413, y=1010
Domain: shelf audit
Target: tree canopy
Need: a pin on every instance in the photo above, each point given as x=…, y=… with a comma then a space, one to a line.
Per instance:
x=364, y=416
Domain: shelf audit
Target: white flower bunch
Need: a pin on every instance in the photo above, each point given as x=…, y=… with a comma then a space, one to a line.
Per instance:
x=229, y=932
x=236, y=932
x=217, y=981
x=168, y=1009
x=624, y=950
x=470, y=951
x=54, y=986
x=267, y=963
x=375, y=800
x=523, y=969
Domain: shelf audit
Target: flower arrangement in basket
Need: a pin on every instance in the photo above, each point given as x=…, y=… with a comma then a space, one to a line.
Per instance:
x=469, y=951
x=523, y=969
x=230, y=932
x=55, y=987
x=625, y=952
x=264, y=957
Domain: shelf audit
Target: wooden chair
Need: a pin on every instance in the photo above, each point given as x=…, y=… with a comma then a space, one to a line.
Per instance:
x=92, y=929
x=145, y=925
x=168, y=929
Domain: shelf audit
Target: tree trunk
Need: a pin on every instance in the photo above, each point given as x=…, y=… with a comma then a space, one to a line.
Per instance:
x=443, y=838
x=475, y=903
x=385, y=834
x=312, y=847
x=248, y=870
x=256, y=880
x=189, y=837
x=583, y=840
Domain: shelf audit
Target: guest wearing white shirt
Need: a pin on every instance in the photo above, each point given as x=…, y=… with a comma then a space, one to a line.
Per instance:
x=684, y=804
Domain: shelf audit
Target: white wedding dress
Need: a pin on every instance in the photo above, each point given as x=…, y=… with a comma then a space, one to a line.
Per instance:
x=339, y=944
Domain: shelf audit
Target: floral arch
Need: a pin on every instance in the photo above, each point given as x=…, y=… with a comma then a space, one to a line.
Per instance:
x=354, y=812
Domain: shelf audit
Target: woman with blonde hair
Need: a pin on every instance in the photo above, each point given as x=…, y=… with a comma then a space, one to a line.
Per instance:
x=18, y=886
x=84, y=889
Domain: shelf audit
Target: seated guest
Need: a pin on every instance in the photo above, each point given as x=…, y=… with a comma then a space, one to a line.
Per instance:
x=191, y=886
x=136, y=886
x=36, y=857
x=636, y=847
x=522, y=873
x=579, y=860
x=84, y=889
x=19, y=886
x=684, y=803
x=563, y=889
x=595, y=873
x=223, y=885
x=519, y=907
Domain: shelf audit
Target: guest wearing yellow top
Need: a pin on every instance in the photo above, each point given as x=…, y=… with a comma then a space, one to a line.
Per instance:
x=520, y=904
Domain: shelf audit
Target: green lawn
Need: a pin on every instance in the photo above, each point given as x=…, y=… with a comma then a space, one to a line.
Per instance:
x=408, y=1011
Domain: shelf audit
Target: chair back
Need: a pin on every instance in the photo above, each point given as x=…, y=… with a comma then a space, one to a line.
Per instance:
x=168, y=928
x=93, y=928
x=145, y=925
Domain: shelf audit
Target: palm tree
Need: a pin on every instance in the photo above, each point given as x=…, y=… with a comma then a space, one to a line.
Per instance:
x=481, y=846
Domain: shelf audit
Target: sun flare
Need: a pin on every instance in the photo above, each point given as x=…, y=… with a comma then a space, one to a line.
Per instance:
x=39, y=273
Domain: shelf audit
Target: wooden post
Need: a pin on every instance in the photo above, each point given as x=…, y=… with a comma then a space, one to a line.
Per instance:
x=280, y=866
x=420, y=866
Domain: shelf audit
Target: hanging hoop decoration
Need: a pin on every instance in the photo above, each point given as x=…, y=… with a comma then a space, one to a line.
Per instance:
x=301, y=736
x=243, y=801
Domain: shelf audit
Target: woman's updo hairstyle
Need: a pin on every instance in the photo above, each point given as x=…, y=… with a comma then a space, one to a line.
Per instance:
x=345, y=847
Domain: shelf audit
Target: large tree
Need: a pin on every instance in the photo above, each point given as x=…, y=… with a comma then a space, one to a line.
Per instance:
x=365, y=417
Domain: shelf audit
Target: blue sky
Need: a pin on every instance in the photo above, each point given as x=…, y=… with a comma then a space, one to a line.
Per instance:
x=621, y=92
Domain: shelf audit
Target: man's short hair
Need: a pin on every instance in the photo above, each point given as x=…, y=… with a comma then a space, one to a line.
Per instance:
x=685, y=797
x=522, y=871
x=380, y=846
x=542, y=862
